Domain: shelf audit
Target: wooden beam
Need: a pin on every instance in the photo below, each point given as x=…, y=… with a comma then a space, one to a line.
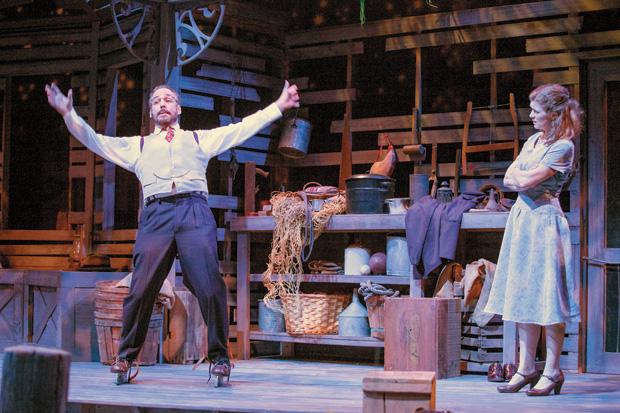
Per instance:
x=429, y=120
x=45, y=68
x=563, y=77
x=547, y=61
x=234, y=59
x=36, y=249
x=219, y=89
x=44, y=37
x=327, y=50
x=6, y=150
x=268, y=130
x=572, y=41
x=58, y=22
x=248, y=78
x=225, y=42
x=448, y=20
x=35, y=235
x=502, y=133
x=327, y=96
x=259, y=158
x=118, y=59
x=367, y=157
x=197, y=101
x=480, y=33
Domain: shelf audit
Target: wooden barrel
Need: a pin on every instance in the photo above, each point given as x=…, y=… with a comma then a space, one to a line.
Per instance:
x=375, y=305
x=109, y=321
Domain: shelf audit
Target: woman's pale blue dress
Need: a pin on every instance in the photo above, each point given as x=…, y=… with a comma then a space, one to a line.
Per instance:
x=534, y=277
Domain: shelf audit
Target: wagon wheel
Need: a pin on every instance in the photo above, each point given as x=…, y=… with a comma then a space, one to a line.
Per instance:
x=126, y=8
x=186, y=25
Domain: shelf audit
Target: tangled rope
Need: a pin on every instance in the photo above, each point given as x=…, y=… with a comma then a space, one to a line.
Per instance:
x=290, y=236
x=368, y=289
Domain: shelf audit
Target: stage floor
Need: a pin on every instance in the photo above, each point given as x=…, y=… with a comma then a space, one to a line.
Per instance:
x=272, y=385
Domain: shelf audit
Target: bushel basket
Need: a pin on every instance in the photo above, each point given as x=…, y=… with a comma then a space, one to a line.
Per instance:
x=313, y=313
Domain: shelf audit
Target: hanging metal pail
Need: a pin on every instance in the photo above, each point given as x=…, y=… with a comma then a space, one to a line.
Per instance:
x=295, y=138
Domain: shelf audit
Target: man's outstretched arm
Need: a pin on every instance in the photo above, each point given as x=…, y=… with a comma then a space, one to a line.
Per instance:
x=123, y=152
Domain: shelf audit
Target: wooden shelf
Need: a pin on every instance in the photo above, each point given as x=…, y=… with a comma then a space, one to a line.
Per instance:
x=245, y=227
x=327, y=339
x=342, y=279
x=373, y=222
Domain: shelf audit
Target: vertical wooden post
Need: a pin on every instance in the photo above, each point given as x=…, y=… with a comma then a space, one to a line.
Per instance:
x=109, y=169
x=249, y=185
x=6, y=152
x=416, y=286
x=89, y=190
x=243, y=295
x=493, y=102
x=346, y=147
x=35, y=379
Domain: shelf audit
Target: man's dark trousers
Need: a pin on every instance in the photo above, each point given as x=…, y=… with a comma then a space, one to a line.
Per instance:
x=169, y=226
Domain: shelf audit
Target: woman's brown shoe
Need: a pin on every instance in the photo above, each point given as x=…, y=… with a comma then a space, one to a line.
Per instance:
x=556, y=385
x=530, y=379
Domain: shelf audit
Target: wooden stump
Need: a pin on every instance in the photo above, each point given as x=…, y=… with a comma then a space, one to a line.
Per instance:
x=398, y=391
x=35, y=379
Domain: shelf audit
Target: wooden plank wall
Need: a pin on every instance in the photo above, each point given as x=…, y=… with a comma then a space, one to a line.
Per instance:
x=49, y=46
x=553, y=49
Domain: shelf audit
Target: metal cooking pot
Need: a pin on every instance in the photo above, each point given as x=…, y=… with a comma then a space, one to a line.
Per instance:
x=295, y=138
x=366, y=193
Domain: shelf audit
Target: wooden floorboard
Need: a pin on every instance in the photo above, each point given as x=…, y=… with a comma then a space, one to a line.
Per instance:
x=271, y=385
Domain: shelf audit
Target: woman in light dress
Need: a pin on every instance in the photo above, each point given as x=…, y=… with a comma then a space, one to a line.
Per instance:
x=533, y=284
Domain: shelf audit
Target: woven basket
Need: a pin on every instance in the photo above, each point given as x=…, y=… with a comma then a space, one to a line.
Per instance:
x=313, y=313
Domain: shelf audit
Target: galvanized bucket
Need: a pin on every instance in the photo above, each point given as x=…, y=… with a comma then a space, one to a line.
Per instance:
x=270, y=321
x=295, y=138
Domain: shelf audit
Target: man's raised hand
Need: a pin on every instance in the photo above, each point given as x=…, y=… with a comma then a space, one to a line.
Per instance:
x=63, y=104
x=289, y=98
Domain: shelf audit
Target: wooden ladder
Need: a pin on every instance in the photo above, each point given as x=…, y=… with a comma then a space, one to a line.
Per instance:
x=489, y=147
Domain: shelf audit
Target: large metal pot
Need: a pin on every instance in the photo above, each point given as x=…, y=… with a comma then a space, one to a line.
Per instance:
x=295, y=138
x=366, y=193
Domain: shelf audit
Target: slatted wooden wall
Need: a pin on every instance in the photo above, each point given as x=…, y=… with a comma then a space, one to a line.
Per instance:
x=63, y=44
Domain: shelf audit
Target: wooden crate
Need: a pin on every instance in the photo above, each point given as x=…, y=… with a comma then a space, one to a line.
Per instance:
x=423, y=334
x=569, y=359
x=56, y=307
x=11, y=308
x=398, y=391
x=186, y=338
x=481, y=346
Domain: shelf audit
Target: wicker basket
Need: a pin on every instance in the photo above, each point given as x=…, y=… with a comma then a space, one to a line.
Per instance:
x=313, y=313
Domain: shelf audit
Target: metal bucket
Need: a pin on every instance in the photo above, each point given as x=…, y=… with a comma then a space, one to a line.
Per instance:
x=270, y=321
x=398, y=262
x=295, y=138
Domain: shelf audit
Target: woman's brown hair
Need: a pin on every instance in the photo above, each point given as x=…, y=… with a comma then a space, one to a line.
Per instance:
x=555, y=99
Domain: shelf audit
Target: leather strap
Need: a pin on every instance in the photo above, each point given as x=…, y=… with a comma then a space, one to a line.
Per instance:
x=308, y=229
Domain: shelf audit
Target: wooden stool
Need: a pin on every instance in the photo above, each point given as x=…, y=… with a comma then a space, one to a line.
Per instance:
x=398, y=391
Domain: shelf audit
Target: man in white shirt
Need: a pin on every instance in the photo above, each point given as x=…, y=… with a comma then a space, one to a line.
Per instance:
x=171, y=166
